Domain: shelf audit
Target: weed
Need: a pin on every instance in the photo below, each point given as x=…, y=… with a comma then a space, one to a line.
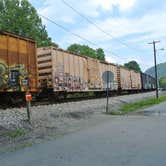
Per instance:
x=15, y=133
x=126, y=108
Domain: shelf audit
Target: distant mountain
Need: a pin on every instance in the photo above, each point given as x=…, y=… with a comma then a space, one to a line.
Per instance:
x=161, y=68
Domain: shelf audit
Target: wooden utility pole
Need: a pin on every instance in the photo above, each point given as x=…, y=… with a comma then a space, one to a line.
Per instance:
x=156, y=76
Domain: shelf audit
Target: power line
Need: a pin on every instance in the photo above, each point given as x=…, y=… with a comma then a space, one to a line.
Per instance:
x=67, y=30
x=156, y=75
x=80, y=37
x=96, y=25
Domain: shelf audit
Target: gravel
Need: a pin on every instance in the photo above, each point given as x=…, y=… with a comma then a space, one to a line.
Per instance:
x=57, y=115
x=50, y=121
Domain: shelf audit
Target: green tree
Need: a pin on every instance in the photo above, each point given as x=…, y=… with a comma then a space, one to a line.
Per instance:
x=20, y=17
x=162, y=82
x=100, y=54
x=132, y=65
x=86, y=50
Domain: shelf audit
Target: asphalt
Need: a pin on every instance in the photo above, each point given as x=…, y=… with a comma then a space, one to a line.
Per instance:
x=132, y=140
x=157, y=110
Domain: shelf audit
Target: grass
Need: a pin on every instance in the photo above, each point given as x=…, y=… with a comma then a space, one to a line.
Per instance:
x=16, y=133
x=15, y=148
x=126, y=108
x=22, y=146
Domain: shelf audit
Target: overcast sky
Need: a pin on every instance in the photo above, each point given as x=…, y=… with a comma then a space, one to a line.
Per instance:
x=130, y=25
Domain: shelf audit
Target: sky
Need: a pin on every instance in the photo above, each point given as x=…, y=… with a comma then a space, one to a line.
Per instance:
x=125, y=27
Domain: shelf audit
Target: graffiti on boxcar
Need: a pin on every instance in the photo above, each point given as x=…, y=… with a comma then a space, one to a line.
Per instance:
x=65, y=81
x=3, y=75
x=13, y=78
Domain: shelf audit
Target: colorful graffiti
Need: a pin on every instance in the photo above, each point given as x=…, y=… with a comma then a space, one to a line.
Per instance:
x=65, y=81
x=3, y=75
x=13, y=78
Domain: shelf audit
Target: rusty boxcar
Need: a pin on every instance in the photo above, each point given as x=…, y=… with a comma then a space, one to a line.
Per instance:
x=18, y=64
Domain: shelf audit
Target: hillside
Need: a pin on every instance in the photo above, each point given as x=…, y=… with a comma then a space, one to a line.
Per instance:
x=161, y=70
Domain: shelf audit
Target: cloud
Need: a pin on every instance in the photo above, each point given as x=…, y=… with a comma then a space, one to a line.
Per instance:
x=111, y=59
x=59, y=11
x=142, y=30
x=143, y=7
x=108, y=4
x=118, y=27
x=135, y=23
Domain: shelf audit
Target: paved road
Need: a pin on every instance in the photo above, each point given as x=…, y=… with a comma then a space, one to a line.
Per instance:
x=120, y=141
x=157, y=110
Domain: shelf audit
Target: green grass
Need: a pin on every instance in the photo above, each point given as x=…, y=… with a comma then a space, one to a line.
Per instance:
x=16, y=133
x=18, y=147
x=15, y=148
x=126, y=108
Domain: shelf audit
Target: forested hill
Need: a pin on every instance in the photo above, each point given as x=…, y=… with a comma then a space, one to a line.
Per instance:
x=161, y=70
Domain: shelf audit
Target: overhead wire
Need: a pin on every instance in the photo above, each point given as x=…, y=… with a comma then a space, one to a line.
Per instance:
x=97, y=26
x=80, y=37
x=67, y=30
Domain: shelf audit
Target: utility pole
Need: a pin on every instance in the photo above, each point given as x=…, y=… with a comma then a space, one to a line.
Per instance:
x=156, y=76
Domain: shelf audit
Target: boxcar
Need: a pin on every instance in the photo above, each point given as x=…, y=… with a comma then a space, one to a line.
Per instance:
x=60, y=70
x=124, y=79
x=135, y=80
x=128, y=79
x=94, y=77
x=63, y=71
x=148, y=82
x=18, y=64
x=104, y=66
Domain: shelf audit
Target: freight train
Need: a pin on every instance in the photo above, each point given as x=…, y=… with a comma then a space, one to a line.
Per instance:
x=54, y=72
x=62, y=72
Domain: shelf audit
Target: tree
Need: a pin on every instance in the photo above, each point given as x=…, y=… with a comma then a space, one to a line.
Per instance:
x=162, y=82
x=86, y=50
x=20, y=17
x=100, y=54
x=82, y=50
x=132, y=65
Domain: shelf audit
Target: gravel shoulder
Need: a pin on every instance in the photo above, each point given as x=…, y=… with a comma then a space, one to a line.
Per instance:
x=52, y=121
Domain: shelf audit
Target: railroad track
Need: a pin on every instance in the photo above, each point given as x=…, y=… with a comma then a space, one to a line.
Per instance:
x=46, y=101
